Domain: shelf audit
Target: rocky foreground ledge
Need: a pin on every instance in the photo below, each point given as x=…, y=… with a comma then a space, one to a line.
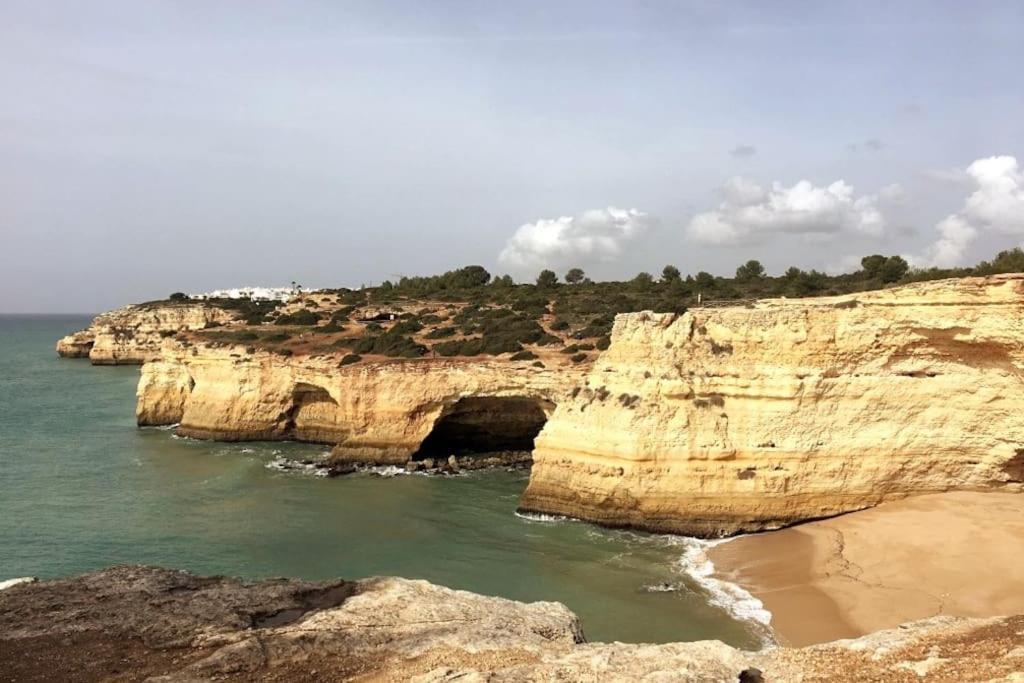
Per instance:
x=137, y=623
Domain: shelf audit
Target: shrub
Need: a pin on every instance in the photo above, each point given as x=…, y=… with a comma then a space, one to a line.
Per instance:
x=178, y=296
x=579, y=358
x=341, y=315
x=537, y=364
x=389, y=344
x=301, y=317
x=559, y=325
x=285, y=352
x=349, y=359
x=603, y=343
x=571, y=348
x=524, y=355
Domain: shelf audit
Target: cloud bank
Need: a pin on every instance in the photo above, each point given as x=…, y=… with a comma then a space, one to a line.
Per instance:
x=592, y=236
x=749, y=212
x=996, y=204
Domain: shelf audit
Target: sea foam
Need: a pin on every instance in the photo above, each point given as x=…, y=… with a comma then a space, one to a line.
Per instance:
x=725, y=595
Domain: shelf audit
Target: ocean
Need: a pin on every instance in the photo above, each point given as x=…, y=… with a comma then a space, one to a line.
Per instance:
x=81, y=487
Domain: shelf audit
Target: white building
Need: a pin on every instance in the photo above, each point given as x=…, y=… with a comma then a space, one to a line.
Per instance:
x=253, y=293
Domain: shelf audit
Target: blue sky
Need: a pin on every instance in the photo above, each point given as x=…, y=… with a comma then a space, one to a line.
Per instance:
x=148, y=147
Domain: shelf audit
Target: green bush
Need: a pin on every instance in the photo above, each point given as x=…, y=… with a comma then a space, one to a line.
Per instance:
x=389, y=344
x=524, y=355
x=349, y=359
x=303, y=317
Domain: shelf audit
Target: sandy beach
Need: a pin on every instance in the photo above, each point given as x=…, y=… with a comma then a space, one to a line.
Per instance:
x=959, y=553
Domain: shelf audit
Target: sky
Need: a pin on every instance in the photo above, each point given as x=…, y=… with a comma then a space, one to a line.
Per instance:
x=152, y=147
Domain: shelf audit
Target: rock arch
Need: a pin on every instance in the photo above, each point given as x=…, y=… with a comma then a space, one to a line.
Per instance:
x=476, y=425
x=311, y=416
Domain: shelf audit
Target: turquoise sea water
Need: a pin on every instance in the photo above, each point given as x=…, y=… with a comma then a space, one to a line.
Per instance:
x=82, y=488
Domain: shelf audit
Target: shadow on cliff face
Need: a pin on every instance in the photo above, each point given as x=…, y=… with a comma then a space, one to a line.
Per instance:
x=485, y=425
x=310, y=417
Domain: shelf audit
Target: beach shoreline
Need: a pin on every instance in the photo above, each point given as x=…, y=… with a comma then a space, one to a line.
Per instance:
x=952, y=553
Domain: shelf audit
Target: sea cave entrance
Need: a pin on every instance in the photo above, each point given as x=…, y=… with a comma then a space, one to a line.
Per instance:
x=312, y=415
x=486, y=426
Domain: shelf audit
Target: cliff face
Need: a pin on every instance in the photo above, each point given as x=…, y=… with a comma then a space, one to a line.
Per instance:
x=167, y=625
x=725, y=420
x=374, y=412
x=134, y=334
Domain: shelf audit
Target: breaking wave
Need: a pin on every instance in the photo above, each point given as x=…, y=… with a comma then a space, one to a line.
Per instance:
x=725, y=595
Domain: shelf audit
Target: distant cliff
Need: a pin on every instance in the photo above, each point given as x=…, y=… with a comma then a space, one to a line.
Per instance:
x=724, y=420
x=134, y=334
x=377, y=412
x=716, y=421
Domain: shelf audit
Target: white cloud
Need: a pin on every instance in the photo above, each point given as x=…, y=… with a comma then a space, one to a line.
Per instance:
x=749, y=212
x=595, y=235
x=997, y=204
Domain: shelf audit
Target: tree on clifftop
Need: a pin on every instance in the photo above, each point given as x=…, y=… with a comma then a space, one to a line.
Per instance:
x=670, y=274
x=574, y=276
x=886, y=269
x=547, y=279
x=751, y=270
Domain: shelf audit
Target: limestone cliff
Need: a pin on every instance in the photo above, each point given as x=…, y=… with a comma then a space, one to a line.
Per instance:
x=146, y=623
x=133, y=334
x=378, y=411
x=724, y=420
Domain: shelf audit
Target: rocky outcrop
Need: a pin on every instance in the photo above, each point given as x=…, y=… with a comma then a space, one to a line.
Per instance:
x=724, y=420
x=145, y=623
x=378, y=411
x=135, y=334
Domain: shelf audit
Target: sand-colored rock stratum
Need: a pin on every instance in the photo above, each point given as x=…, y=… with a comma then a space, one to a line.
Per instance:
x=724, y=420
x=713, y=422
x=134, y=334
x=379, y=412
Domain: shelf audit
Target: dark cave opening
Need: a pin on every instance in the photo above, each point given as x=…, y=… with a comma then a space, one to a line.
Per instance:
x=485, y=425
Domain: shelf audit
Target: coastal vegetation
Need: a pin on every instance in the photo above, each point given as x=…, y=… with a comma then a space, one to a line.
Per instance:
x=467, y=312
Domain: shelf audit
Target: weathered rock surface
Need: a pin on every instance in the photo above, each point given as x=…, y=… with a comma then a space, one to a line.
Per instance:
x=717, y=421
x=134, y=334
x=144, y=623
x=373, y=412
x=724, y=420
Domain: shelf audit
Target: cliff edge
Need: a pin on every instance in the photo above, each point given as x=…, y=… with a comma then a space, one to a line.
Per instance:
x=726, y=420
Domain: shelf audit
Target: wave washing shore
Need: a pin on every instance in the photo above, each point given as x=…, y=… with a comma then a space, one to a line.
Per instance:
x=956, y=553
x=731, y=597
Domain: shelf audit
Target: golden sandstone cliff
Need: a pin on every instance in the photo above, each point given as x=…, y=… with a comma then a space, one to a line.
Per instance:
x=134, y=334
x=717, y=421
x=378, y=411
x=725, y=420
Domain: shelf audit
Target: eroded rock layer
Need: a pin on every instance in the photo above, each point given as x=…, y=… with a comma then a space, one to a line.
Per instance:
x=135, y=334
x=146, y=623
x=379, y=411
x=724, y=420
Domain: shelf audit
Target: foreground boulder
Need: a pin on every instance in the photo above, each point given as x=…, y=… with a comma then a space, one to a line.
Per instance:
x=145, y=623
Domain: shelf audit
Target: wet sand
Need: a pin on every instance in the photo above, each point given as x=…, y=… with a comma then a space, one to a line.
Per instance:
x=959, y=553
